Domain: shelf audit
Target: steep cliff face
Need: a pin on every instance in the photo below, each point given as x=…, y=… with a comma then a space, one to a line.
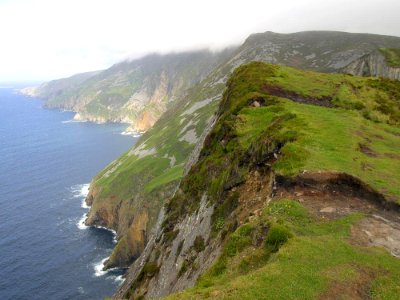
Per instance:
x=323, y=140
x=149, y=174
x=135, y=92
x=372, y=64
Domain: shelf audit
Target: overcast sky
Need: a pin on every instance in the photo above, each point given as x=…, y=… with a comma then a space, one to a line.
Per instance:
x=48, y=39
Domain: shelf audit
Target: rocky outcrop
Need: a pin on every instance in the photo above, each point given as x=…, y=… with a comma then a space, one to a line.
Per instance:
x=372, y=64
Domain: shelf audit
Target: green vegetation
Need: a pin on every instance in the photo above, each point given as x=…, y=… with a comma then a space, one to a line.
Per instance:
x=392, y=56
x=168, y=176
x=149, y=270
x=277, y=236
x=315, y=260
x=198, y=243
x=312, y=121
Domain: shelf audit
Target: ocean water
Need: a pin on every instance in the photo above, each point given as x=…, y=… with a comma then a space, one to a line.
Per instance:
x=46, y=163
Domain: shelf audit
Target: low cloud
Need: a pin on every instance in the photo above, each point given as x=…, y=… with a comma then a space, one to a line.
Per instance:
x=46, y=39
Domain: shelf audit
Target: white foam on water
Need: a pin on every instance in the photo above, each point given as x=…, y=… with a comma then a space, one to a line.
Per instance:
x=132, y=133
x=84, y=205
x=80, y=190
x=117, y=279
x=98, y=268
x=73, y=121
x=81, y=223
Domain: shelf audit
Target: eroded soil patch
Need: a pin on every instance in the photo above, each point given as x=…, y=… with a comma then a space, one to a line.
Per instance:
x=333, y=195
x=280, y=92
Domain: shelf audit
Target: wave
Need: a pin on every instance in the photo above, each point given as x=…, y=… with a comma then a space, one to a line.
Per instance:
x=119, y=279
x=81, y=223
x=131, y=133
x=98, y=268
x=80, y=190
x=83, y=204
x=73, y=121
x=115, y=272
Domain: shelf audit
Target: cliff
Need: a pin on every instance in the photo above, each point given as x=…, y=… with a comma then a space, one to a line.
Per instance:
x=294, y=187
x=137, y=184
x=136, y=91
x=373, y=64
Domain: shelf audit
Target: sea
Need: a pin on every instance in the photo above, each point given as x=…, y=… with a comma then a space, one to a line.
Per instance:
x=46, y=164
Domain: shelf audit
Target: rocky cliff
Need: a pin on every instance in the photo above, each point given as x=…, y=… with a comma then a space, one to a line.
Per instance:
x=136, y=91
x=139, y=182
x=292, y=165
x=372, y=64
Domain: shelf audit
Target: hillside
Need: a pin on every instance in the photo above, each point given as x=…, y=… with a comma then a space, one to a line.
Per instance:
x=128, y=195
x=136, y=92
x=295, y=193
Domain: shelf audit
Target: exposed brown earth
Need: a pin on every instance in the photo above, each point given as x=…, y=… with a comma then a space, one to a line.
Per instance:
x=334, y=195
x=274, y=90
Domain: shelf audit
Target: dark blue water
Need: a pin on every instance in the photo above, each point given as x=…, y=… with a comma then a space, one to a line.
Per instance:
x=44, y=166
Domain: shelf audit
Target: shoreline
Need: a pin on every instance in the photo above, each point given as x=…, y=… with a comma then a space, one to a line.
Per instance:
x=81, y=191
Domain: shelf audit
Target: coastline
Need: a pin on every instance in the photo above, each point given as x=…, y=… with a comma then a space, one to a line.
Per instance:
x=81, y=191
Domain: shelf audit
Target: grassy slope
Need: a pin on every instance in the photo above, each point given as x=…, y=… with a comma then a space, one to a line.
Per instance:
x=319, y=256
x=330, y=140
x=313, y=137
x=316, y=259
x=392, y=56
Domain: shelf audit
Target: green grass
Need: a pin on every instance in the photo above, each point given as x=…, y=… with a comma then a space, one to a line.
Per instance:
x=330, y=140
x=392, y=56
x=311, y=137
x=315, y=259
x=168, y=176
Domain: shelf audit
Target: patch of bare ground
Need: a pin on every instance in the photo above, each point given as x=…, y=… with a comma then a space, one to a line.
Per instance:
x=283, y=93
x=254, y=193
x=333, y=195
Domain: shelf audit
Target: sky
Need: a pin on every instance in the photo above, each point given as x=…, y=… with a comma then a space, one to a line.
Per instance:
x=47, y=39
